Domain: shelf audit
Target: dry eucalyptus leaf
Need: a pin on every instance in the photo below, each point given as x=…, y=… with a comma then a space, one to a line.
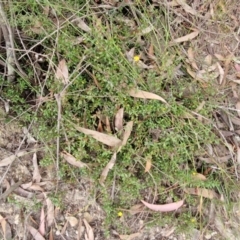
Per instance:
x=89, y=232
x=119, y=119
x=50, y=212
x=88, y=217
x=108, y=167
x=129, y=237
x=26, y=185
x=101, y=137
x=142, y=65
x=81, y=24
x=80, y=229
x=186, y=7
x=136, y=209
x=41, y=228
x=221, y=72
x=187, y=37
x=30, y=138
x=194, y=75
x=148, y=165
x=108, y=125
x=36, y=235
x=151, y=51
x=3, y=225
x=191, y=59
x=62, y=72
x=36, y=187
x=238, y=155
x=127, y=133
x=72, y=160
x=72, y=221
x=51, y=235
x=145, y=95
x=36, y=174
x=6, y=106
x=165, y=207
x=238, y=108
x=8, y=160
x=207, y=193
x=173, y=3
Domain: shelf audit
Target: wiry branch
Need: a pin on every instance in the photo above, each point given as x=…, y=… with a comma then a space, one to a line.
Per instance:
x=11, y=60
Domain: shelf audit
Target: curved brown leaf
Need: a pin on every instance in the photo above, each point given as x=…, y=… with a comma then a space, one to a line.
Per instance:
x=119, y=119
x=108, y=167
x=62, y=72
x=145, y=95
x=72, y=160
x=101, y=137
x=165, y=207
x=187, y=37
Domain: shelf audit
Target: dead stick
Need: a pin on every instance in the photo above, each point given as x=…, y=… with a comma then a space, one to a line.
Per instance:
x=10, y=190
x=9, y=41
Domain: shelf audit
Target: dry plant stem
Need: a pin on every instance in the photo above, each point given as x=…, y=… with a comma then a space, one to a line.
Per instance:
x=58, y=100
x=9, y=40
x=10, y=190
x=10, y=58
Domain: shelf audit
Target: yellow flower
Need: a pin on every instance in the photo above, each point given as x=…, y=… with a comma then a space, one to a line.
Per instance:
x=136, y=58
x=193, y=220
x=120, y=214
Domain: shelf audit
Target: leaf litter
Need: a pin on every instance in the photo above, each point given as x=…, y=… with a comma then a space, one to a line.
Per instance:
x=165, y=207
x=62, y=72
x=50, y=211
x=6, y=229
x=72, y=160
x=148, y=165
x=187, y=37
x=108, y=167
x=109, y=140
x=36, y=174
x=145, y=95
x=119, y=119
x=9, y=160
x=73, y=221
x=89, y=235
x=42, y=229
x=202, y=192
x=35, y=233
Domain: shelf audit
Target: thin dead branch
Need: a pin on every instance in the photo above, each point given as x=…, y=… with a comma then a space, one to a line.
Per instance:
x=11, y=60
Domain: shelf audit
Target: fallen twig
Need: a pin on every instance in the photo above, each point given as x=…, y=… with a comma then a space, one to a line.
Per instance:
x=10, y=190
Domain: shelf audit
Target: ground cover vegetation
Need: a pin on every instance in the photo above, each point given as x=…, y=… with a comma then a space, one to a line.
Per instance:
x=121, y=101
